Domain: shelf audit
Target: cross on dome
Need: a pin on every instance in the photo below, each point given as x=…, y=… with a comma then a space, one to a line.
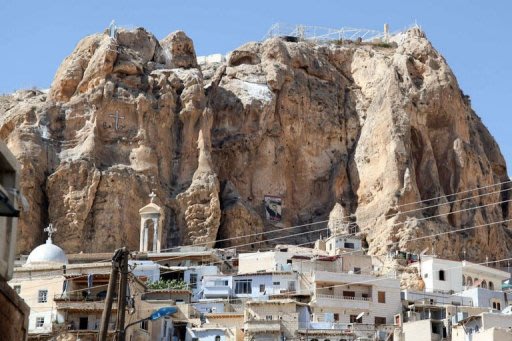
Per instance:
x=152, y=195
x=51, y=230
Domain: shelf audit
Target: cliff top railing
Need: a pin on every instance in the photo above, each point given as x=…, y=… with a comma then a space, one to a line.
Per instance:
x=323, y=34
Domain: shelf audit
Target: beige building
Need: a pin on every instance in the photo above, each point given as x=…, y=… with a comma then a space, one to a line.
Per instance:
x=273, y=319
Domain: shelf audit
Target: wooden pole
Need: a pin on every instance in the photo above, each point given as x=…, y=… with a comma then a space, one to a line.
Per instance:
x=107, y=311
x=121, y=301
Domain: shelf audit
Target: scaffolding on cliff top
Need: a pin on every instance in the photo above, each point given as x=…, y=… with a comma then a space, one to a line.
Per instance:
x=326, y=34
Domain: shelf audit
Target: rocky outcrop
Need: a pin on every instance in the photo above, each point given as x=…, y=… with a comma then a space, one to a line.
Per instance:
x=354, y=132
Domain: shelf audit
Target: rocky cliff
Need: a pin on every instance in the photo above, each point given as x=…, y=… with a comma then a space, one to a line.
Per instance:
x=363, y=130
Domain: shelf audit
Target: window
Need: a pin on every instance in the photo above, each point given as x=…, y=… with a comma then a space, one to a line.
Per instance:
x=42, y=296
x=463, y=280
x=381, y=297
x=354, y=319
x=165, y=328
x=336, y=317
x=357, y=270
x=262, y=287
x=496, y=305
x=17, y=288
x=491, y=285
x=288, y=261
x=217, y=338
x=380, y=320
x=291, y=286
x=193, y=281
x=83, y=323
x=484, y=284
x=276, y=283
x=349, y=294
x=39, y=322
x=426, y=275
x=363, y=295
x=349, y=245
x=144, y=325
x=441, y=275
x=220, y=283
x=243, y=286
x=268, y=317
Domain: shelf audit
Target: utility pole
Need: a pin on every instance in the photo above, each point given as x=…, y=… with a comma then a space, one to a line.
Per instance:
x=121, y=302
x=107, y=311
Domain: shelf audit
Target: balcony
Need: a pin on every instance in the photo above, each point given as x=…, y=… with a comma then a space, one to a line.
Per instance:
x=77, y=302
x=342, y=301
x=262, y=326
x=217, y=291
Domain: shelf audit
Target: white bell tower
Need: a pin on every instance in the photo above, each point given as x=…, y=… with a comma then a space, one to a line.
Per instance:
x=150, y=214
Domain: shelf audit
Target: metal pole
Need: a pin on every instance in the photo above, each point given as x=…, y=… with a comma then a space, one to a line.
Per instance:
x=105, y=316
x=121, y=301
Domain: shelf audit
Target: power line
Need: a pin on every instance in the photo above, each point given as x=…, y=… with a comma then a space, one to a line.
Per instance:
x=390, y=244
x=386, y=216
x=353, y=234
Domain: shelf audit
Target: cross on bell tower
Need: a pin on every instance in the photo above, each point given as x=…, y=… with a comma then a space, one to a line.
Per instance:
x=152, y=197
x=51, y=230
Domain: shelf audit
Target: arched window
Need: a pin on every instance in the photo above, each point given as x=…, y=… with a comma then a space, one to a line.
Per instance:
x=441, y=275
x=469, y=281
x=217, y=338
x=491, y=285
x=484, y=284
x=463, y=280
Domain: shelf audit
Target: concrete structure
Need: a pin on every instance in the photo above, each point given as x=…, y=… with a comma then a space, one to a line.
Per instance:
x=435, y=298
x=194, y=278
x=341, y=297
x=422, y=330
x=260, y=285
x=289, y=258
x=150, y=217
x=14, y=312
x=220, y=286
x=210, y=59
x=273, y=319
x=477, y=275
x=486, y=298
x=485, y=326
x=340, y=244
x=442, y=275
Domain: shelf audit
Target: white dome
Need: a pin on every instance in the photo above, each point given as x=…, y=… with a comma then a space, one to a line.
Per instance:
x=47, y=253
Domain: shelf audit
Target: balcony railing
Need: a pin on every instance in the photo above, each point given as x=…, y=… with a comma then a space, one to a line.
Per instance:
x=340, y=297
x=78, y=297
x=262, y=326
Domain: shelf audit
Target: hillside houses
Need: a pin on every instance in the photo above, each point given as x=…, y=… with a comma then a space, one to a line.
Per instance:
x=333, y=291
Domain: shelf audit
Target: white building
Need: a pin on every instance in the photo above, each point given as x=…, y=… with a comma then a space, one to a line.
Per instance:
x=339, y=244
x=442, y=275
x=342, y=297
x=260, y=285
x=194, y=278
x=289, y=258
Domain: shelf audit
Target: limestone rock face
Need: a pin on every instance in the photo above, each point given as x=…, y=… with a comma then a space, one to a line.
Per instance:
x=199, y=204
x=354, y=132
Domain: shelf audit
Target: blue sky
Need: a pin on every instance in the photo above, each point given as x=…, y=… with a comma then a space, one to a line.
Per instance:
x=475, y=38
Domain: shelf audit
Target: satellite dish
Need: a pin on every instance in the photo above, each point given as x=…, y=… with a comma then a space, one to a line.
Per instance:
x=360, y=315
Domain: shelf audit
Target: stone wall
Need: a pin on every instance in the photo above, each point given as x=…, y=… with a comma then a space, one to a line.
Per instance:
x=14, y=314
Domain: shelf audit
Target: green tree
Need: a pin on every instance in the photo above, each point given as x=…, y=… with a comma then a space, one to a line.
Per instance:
x=167, y=284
